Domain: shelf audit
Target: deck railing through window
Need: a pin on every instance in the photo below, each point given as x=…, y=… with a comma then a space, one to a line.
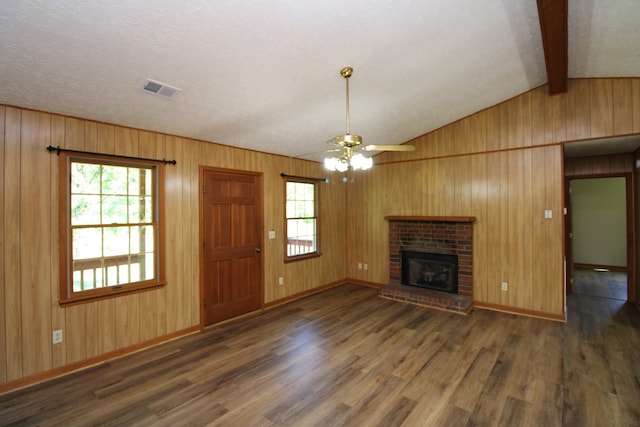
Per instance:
x=299, y=246
x=96, y=273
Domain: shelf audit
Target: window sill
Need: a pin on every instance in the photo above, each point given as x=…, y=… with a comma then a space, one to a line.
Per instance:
x=302, y=257
x=114, y=293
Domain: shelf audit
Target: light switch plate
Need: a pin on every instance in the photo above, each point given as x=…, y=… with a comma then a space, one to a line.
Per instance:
x=272, y=234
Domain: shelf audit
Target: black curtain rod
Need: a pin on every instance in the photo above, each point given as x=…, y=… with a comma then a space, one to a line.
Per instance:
x=284, y=175
x=58, y=150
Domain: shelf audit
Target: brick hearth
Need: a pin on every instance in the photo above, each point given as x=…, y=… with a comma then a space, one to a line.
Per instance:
x=441, y=235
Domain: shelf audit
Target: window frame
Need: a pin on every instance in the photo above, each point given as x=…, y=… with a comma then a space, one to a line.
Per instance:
x=317, y=252
x=67, y=295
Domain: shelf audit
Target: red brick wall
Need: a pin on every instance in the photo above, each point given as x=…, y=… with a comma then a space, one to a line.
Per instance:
x=440, y=237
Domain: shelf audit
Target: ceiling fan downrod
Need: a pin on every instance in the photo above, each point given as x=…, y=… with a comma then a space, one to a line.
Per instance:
x=346, y=72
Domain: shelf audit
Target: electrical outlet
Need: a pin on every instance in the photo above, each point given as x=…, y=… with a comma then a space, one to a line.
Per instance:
x=56, y=336
x=366, y=266
x=359, y=266
x=504, y=286
x=280, y=280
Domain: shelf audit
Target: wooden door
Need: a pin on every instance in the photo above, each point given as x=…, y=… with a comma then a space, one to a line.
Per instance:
x=232, y=235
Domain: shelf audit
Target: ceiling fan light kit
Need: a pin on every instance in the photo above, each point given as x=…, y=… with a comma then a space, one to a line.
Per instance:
x=351, y=144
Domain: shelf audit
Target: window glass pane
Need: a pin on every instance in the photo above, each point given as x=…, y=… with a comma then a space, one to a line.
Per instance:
x=85, y=210
x=309, y=190
x=292, y=228
x=114, y=179
x=291, y=209
x=149, y=238
x=148, y=210
x=77, y=280
x=134, y=181
x=86, y=243
x=114, y=209
x=123, y=274
x=142, y=239
x=300, y=236
x=85, y=178
x=140, y=209
x=116, y=241
x=134, y=245
x=135, y=210
x=149, y=267
x=309, y=209
x=111, y=278
x=148, y=181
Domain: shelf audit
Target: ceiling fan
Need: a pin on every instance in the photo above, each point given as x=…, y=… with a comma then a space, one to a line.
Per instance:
x=351, y=145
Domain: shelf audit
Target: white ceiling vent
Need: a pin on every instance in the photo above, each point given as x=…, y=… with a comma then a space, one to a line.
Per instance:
x=161, y=89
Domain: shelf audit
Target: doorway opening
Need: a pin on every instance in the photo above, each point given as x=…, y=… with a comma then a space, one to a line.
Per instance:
x=598, y=224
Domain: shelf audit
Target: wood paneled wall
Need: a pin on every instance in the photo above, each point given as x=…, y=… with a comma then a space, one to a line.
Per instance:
x=503, y=166
x=29, y=260
x=599, y=165
x=636, y=202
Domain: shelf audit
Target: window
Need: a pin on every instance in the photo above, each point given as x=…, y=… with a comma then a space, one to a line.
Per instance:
x=110, y=224
x=301, y=223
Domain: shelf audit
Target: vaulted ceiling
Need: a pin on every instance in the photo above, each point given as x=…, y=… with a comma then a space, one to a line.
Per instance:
x=264, y=74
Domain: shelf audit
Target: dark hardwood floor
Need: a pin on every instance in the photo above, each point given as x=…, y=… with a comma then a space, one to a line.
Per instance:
x=603, y=284
x=347, y=357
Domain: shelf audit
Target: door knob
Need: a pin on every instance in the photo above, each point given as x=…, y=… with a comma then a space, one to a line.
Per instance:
x=258, y=250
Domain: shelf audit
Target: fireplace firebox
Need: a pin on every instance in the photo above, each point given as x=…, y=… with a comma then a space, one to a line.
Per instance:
x=430, y=270
x=448, y=235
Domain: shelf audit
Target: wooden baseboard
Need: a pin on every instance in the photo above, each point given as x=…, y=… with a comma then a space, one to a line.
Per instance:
x=299, y=295
x=94, y=361
x=520, y=311
x=364, y=283
x=303, y=294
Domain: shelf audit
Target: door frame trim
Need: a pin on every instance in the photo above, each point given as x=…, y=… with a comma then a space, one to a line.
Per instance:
x=631, y=234
x=260, y=208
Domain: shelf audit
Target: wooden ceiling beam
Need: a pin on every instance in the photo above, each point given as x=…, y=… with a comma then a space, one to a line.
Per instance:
x=555, y=41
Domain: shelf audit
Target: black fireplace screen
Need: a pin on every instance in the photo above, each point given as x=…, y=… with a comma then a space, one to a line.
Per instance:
x=432, y=271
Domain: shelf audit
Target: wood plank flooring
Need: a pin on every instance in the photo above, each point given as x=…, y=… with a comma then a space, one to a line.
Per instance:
x=347, y=357
x=603, y=284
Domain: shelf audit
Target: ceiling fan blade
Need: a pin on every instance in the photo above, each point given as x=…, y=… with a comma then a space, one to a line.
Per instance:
x=389, y=147
x=331, y=150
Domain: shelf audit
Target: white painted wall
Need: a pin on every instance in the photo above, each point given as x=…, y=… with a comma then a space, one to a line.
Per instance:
x=599, y=221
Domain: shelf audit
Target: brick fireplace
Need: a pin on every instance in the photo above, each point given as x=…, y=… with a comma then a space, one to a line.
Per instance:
x=433, y=235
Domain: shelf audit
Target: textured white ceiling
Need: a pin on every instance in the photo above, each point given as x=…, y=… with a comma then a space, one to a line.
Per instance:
x=264, y=74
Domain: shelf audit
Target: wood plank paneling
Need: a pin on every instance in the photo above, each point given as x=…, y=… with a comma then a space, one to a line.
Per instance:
x=580, y=118
x=12, y=244
x=601, y=107
x=59, y=351
x=622, y=106
x=635, y=99
x=3, y=325
x=518, y=186
x=30, y=309
x=599, y=165
x=454, y=171
x=35, y=224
